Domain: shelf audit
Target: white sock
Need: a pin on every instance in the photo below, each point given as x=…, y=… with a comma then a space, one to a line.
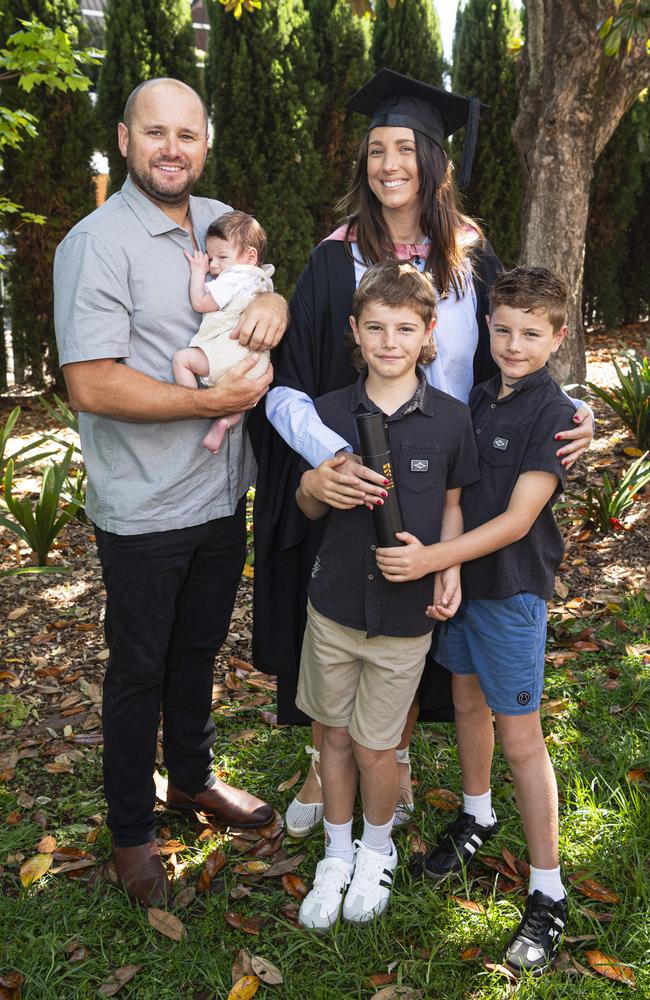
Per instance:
x=377, y=838
x=338, y=841
x=548, y=881
x=480, y=807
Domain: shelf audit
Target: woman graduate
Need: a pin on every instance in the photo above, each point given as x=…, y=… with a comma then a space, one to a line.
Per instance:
x=402, y=204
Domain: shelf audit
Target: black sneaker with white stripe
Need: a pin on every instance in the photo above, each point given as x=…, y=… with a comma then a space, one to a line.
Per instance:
x=536, y=942
x=457, y=846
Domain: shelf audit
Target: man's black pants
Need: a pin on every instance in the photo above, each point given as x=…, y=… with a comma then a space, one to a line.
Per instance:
x=170, y=595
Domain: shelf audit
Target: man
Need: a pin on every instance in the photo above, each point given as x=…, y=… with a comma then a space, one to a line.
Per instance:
x=169, y=516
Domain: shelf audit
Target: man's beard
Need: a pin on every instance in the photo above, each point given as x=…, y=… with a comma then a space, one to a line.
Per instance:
x=146, y=181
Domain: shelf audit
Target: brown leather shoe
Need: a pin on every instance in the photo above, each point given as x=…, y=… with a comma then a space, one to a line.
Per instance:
x=142, y=874
x=227, y=805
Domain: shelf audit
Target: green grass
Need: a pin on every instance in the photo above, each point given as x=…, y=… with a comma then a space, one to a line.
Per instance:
x=605, y=820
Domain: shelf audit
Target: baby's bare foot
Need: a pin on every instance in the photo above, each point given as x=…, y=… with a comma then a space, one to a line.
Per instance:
x=213, y=439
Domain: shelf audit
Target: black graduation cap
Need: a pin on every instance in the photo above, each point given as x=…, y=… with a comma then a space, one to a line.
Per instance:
x=391, y=98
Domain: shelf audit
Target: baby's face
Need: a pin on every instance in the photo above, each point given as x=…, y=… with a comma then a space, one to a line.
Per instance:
x=223, y=254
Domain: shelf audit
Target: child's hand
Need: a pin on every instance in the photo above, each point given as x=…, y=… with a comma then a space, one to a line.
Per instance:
x=404, y=562
x=446, y=595
x=199, y=261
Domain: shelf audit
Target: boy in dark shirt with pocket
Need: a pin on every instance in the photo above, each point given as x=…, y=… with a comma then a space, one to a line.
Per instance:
x=366, y=639
x=494, y=646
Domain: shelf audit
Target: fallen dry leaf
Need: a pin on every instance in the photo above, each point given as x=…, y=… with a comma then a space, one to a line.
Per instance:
x=520, y=868
x=172, y=847
x=11, y=985
x=35, y=868
x=267, y=972
x=250, y=925
x=244, y=988
x=610, y=967
x=554, y=707
x=251, y=868
x=397, y=993
x=442, y=798
x=382, y=978
x=468, y=904
x=294, y=886
x=46, y=844
x=239, y=892
x=72, y=866
x=117, y=979
x=637, y=774
x=166, y=923
x=241, y=966
x=471, y=954
x=282, y=867
x=17, y=613
x=592, y=889
x=71, y=854
x=270, y=718
x=186, y=896
x=79, y=953
x=284, y=786
x=502, y=970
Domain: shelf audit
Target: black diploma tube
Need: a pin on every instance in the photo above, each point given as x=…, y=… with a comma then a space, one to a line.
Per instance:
x=375, y=454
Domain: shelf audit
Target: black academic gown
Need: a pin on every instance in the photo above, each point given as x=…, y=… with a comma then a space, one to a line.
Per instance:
x=313, y=358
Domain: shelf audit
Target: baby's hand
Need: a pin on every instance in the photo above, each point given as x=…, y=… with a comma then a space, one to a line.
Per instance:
x=199, y=261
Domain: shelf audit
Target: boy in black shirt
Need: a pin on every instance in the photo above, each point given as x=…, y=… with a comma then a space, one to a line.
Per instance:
x=495, y=644
x=366, y=639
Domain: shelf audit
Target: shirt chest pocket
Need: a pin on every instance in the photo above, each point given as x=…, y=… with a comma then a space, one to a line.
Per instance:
x=498, y=447
x=420, y=465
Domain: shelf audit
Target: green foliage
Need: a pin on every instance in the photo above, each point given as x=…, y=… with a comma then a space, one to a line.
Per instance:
x=263, y=90
x=407, y=39
x=630, y=399
x=628, y=21
x=39, y=523
x=604, y=506
x=485, y=67
x=49, y=175
x=61, y=413
x=43, y=56
x=145, y=39
x=23, y=456
x=616, y=287
x=342, y=46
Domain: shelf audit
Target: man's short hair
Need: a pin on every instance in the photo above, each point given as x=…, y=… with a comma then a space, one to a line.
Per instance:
x=532, y=289
x=242, y=230
x=131, y=101
x=395, y=283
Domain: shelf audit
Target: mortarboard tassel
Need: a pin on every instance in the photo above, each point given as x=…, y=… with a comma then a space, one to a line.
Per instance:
x=471, y=133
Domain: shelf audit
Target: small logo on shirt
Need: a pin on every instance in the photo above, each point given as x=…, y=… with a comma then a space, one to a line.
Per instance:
x=419, y=465
x=523, y=697
x=501, y=444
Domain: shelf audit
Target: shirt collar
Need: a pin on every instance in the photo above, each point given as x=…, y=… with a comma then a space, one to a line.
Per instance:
x=152, y=218
x=420, y=400
x=493, y=385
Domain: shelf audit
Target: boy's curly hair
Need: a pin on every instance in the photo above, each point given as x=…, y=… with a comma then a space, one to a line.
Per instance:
x=395, y=283
x=532, y=289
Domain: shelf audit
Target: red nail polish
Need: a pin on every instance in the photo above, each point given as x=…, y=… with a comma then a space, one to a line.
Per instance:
x=384, y=494
x=380, y=502
x=558, y=437
x=386, y=482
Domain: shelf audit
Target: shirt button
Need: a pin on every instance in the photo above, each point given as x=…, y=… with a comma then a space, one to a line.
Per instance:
x=373, y=548
x=371, y=576
x=493, y=406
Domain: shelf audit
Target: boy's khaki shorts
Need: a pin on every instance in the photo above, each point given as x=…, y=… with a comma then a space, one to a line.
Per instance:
x=364, y=685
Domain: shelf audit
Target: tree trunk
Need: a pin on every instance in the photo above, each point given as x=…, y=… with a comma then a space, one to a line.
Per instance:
x=572, y=99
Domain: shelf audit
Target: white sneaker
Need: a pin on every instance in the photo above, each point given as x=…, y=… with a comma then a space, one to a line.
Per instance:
x=320, y=908
x=303, y=817
x=370, y=888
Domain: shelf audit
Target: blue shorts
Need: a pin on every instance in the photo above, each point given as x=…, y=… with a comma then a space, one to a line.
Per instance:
x=503, y=642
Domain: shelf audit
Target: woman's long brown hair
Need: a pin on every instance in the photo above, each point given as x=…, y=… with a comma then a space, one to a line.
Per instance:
x=440, y=219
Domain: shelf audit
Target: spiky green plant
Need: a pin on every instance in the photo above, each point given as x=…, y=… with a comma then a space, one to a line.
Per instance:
x=605, y=505
x=630, y=399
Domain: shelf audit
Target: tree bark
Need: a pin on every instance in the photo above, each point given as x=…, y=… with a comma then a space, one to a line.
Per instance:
x=572, y=98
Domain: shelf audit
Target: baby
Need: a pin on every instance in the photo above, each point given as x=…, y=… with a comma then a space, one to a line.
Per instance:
x=235, y=244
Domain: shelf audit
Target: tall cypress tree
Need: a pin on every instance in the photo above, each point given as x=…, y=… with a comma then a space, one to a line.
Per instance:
x=616, y=288
x=144, y=39
x=343, y=52
x=484, y=68
x=48, y=175
x=407, y=39
x=263, y=90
